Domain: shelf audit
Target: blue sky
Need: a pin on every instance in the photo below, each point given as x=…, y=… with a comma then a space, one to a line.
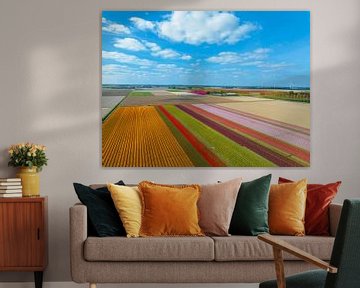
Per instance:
x=220, y=48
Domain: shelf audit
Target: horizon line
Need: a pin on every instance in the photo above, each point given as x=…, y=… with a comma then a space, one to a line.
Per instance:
x=220, y=86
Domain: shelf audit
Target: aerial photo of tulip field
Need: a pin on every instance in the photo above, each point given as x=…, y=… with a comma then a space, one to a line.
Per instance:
x=205, y=89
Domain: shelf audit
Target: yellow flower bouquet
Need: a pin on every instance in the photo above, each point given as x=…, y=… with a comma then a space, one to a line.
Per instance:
x=27, y=155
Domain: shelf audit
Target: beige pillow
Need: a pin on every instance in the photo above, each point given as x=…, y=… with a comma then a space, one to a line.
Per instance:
x=216, y=206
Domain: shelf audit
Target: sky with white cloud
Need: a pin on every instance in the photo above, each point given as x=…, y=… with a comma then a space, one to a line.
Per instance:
x=212, y=48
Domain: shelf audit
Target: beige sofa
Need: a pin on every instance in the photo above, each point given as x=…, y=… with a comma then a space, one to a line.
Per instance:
x=234, y=259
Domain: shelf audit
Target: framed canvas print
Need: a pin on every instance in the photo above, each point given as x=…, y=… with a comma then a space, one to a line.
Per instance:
x=205, y=88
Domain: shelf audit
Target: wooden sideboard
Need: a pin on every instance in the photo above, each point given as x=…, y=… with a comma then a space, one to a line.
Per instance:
x=23, y=235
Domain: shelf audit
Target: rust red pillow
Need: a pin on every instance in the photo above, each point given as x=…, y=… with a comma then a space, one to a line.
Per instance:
x=319, y=197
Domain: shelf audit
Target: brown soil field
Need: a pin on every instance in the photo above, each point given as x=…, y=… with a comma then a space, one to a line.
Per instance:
x=245, y=99
x=162, y=97
x=115, y=92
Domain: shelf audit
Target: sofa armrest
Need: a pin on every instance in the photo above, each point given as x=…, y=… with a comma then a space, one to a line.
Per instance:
x=279, y=246
x=284, y=246
x=78, y=235
x=334, y=216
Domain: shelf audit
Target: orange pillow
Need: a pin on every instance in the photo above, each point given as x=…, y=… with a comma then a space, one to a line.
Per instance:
x=287, y=203
x=169, y=210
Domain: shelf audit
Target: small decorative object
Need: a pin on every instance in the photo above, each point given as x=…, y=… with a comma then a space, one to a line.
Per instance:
x=30, y=158
x=10, y=187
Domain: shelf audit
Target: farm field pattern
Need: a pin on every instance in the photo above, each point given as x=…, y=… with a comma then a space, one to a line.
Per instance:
x=172, y=128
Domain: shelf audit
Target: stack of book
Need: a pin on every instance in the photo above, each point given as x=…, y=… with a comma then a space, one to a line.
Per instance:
x=10, y=187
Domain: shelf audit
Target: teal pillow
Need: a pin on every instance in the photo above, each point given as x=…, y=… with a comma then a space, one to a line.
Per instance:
x=250, y=216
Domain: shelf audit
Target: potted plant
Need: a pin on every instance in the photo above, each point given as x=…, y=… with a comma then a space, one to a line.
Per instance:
x=30, y=158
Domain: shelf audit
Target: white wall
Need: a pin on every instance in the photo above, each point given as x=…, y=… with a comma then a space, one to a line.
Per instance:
x=50, y=93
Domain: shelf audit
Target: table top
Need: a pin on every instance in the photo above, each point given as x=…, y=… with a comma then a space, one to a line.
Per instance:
x=23, y=199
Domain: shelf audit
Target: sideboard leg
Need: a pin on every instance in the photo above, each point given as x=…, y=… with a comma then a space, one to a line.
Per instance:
x=92, y=285
x=38, y=279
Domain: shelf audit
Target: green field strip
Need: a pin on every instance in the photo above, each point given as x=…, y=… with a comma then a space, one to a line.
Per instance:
x=233, y=154
x=192, y=153
x=286, y=99
x=140, y=93
x=177, y=90
x=270, y=147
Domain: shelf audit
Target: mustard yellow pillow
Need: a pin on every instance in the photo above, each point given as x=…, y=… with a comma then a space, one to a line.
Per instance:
x=169, y=210
x=127, y=201
x=287, y=204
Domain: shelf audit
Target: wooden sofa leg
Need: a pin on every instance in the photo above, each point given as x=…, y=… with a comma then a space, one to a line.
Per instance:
x=92, y=285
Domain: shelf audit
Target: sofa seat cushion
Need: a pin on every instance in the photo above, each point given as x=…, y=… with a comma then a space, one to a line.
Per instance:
x=245, y=248
x=149, y=249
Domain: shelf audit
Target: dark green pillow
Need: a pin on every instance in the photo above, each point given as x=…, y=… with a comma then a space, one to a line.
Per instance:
x=103, y=218
x=250, y=216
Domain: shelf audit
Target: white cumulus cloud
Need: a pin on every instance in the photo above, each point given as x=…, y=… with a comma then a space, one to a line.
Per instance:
x=142, y=24
x=157, y=51
x=166, y=66
x=113, y=69
x=115, y=28
x=186, y=57
x=197, y=27
x=125, y=58
x=152, y=46
x=166, y=54
x=247, y=58
x=272, y=67
x=129, y=44
x=256, y=58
